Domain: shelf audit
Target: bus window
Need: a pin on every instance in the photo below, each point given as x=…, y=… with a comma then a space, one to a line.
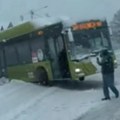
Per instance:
x=10, y=54
x=99, y=41
x=23, y=51
x=2, y=63
x=105, y=39
x=82, y=40
x=59, y=44
x=79, y=47
x=40, y=55
x=96, y=43
x=38, y=47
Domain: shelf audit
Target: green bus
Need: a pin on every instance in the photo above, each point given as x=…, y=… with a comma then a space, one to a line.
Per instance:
x=42, y=53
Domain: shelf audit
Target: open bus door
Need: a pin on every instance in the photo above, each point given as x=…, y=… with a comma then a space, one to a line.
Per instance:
x=3, y=70
x=58, y=55
x=53, y=58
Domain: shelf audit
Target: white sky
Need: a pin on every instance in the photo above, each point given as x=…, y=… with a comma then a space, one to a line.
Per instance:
x=76, y=9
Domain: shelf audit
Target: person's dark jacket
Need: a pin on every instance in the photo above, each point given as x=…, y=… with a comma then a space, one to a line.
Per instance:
x=106, y=64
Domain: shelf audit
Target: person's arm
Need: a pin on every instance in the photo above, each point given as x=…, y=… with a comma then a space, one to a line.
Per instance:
x=98, y=61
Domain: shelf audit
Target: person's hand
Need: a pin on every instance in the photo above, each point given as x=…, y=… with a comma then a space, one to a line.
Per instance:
x=97, y=59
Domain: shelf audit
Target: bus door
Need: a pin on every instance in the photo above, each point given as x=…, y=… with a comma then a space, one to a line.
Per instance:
x=3, y=71
x=54, y=57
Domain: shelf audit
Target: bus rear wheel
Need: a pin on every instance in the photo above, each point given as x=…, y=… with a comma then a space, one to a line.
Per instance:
x=82, y=78
x=41, y=76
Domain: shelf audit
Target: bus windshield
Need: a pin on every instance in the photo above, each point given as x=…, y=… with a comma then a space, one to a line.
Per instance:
x=89, y=41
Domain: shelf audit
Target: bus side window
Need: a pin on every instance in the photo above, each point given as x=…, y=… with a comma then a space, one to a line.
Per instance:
x=60, y=45
x=38, y=46
x=40, y=55
x=10, y=55
x=23, y=51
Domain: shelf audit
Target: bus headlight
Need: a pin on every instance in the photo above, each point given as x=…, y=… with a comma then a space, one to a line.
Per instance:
x=115, y=64
x=77, y=70
x=115, y=61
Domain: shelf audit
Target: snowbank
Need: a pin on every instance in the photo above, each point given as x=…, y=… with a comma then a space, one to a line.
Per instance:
x=3, y=80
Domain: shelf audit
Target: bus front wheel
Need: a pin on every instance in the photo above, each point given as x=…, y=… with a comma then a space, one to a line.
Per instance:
x=41, y=76
x=82, y=78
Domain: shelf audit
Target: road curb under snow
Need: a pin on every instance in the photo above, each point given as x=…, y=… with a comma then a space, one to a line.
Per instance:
x=4, y=80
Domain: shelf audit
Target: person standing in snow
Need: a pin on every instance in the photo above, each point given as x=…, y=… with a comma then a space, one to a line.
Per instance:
x=107, y=69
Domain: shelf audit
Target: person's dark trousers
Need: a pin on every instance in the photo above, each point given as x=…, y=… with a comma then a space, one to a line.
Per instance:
x=108, y=82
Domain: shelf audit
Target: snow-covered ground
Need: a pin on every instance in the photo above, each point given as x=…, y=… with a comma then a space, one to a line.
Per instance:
x=26, y=101
x=109, y=110
x=3, y=81
x=63, y=101
x=23, y=101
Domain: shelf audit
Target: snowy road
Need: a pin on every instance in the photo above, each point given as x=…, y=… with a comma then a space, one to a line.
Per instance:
x=110, y=110
x=25, y=101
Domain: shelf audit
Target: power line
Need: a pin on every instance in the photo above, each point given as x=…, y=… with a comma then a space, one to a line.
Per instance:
x=32, y=13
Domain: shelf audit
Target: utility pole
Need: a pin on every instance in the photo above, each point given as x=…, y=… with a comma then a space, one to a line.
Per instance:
x=32, y=14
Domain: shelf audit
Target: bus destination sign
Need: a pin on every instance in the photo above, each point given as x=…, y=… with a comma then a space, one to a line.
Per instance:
x=87, y=25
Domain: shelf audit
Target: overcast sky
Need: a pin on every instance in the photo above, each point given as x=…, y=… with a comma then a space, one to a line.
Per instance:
x=10, y=10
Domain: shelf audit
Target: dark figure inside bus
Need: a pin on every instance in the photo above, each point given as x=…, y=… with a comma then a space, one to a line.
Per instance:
x=64, y=68
x=107, y=66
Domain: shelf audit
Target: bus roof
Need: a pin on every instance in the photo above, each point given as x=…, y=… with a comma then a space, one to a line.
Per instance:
x=25, y=28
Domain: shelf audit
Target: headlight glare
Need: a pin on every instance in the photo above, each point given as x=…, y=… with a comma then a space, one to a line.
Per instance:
x=77, y=70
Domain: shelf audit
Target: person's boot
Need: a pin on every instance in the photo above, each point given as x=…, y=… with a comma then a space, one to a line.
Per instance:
x=117, y=95
x=106, y=98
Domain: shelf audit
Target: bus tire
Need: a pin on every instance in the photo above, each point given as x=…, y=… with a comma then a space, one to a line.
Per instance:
x=41, y=76
x=82, y=78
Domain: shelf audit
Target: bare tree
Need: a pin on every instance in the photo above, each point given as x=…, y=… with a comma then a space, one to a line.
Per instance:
x=32, y=14
x=10, y=25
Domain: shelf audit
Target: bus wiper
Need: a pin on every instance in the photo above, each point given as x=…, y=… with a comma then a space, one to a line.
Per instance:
x=96, y=52
x=82, y=58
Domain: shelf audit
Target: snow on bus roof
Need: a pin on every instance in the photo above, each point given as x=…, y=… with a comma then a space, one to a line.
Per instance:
x=27, y=26
x=42, y=22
